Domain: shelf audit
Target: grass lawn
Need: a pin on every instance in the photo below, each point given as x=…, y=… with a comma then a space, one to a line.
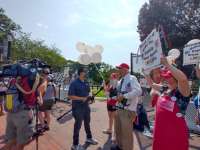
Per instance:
x=101, y=94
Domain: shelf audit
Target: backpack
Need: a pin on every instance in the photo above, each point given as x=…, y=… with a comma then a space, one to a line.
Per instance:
x=12, y=102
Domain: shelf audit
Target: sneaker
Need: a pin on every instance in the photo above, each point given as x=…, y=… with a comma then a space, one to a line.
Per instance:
x=77, y=147
x=92, y=141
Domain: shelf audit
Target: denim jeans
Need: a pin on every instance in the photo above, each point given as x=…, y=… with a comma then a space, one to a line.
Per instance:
x=81, y=112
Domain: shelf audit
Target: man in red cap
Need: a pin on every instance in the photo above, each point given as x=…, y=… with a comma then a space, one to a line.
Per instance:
x=129, y=91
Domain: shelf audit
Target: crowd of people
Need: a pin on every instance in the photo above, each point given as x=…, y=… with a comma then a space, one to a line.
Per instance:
x=170, y=95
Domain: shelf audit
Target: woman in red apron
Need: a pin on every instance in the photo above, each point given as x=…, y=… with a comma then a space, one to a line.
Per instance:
x=170, y=130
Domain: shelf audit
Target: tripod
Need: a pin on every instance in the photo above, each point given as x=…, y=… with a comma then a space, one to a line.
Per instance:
x=91, y=99
x=36, y=126
x=37, y=131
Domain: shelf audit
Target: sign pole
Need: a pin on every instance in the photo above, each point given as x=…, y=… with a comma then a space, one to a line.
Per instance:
x=131, y=63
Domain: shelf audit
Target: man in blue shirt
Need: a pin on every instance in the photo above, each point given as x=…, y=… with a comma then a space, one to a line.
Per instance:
x=79, y=92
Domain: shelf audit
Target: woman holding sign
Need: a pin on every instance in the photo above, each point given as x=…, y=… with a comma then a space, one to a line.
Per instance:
x=170, y=130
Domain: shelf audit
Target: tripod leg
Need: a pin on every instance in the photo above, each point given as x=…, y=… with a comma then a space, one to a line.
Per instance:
x=64, y=115
x=36, y=127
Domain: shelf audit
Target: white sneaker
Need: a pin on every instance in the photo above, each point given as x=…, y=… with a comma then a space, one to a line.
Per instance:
x=92, y=141
x=77, y=147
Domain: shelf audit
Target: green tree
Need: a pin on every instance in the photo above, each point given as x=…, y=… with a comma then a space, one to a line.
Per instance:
x=7, y=26
x=24, y=48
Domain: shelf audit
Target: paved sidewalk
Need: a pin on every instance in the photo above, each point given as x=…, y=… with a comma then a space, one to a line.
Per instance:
x=60, y=135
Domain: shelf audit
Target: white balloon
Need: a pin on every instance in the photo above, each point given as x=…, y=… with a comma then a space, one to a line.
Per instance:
x=194, y=41
x=84, y=59
x=90, y=50
x=96, y=58
x=170, y=59
x=174, y=54
x=81, y=47
x=98, y=49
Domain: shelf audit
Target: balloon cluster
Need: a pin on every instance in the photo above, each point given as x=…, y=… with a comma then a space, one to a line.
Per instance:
x=89, y=54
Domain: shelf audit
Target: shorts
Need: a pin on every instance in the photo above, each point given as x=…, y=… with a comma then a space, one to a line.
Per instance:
x=111, y=108
x=47, y=105
x=20, y=126
x=1, y=100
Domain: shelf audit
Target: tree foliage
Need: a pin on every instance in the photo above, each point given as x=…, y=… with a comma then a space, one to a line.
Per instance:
x=24, y=48
x=180, y=19
x=7, y=26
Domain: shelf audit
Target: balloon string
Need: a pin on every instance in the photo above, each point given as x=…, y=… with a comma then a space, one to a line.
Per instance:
x=99, y=72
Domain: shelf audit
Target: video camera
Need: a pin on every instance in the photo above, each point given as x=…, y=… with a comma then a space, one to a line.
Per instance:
x=23, y=68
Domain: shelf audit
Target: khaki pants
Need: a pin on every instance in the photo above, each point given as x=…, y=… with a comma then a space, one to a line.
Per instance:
x=124, y=129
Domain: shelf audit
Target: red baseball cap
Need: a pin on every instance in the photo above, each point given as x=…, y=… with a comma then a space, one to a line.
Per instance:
x=165, y=73
x=123, y=66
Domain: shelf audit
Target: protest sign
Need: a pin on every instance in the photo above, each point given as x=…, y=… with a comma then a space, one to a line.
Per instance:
x=191, y=54
x=151, y=51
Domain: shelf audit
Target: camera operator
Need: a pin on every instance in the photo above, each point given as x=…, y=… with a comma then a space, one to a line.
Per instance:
x=20, y=125
x=79, y=93
x=129, y=90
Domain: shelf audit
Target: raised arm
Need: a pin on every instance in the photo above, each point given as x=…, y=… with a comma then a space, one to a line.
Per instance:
x=197, y=71
x=183, y=84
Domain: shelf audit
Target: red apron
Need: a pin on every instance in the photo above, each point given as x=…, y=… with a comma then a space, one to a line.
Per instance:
x=170, y=131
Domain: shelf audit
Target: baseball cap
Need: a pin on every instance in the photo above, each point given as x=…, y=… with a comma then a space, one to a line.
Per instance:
x=123, y=66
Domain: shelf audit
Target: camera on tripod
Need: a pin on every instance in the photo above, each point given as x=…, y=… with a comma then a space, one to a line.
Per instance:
x=23, y=68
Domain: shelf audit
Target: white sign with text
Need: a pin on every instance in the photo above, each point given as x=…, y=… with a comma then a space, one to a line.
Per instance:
x=151, y=51
x=191, y=54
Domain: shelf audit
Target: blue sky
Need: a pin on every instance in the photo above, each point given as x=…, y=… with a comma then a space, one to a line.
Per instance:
x=110, y=23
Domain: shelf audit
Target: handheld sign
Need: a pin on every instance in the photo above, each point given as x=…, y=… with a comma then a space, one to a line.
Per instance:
x=191, y=54
x=151, y=51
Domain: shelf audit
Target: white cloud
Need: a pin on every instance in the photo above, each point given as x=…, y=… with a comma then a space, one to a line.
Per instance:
x=41, y=25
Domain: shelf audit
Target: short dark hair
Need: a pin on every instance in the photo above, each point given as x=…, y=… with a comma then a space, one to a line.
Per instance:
x=80, y=70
